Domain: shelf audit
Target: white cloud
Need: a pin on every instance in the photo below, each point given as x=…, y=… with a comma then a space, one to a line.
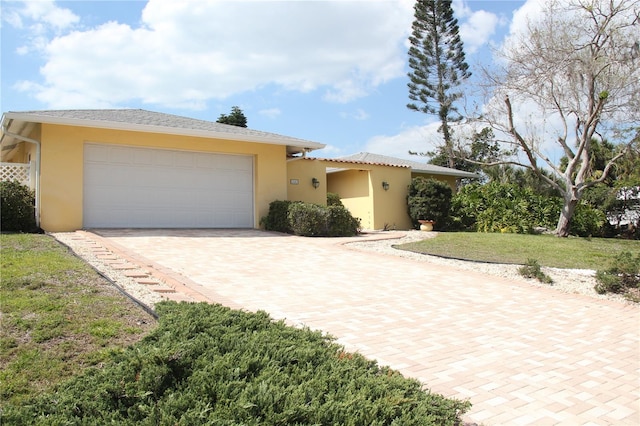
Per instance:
x=270, y=112
x=476, y=27
x=186, y=53
x=359, y=114
x=329, y=151
x=47, y=12
x=415, y=138
x=41, y=19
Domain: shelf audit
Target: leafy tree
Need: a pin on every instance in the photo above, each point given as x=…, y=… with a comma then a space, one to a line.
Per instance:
x=235, y=118
x=523, y=177
x=577, y=63
x=429, y=199
x=437, y=60
x=619, y=194
x=470, y=158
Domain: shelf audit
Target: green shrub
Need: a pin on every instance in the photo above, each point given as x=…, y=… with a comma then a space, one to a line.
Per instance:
x=532, y=269
x=333, y=199
x=309, y=220
x=429, y=199
x=276, y=219
x=587, y=221
x=341, y=223
x=17, y=208
x=207, y=364
x=622, y=277
x=500, y=207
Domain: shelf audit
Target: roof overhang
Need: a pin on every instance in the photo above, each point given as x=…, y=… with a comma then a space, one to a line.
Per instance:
x=20, y=122
x=448, y=172
x=434, y=170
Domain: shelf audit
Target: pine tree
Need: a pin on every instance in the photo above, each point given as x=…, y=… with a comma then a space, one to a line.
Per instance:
x=437, y=60
x=236, y=118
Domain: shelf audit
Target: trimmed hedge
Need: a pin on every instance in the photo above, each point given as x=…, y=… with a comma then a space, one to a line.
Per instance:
x=276, y=219
x=310, y=220
x=207, y=364
x=17, y=208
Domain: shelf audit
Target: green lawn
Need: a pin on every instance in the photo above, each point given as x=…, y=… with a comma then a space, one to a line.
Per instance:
x=572, y=253
x=58, y=316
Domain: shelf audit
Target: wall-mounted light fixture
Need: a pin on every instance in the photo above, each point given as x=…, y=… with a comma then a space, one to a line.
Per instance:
x=315, y=182
x=385, y=185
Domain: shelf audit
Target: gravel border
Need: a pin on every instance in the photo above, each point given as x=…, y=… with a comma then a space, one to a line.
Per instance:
x=573, y=281
x=82, y=249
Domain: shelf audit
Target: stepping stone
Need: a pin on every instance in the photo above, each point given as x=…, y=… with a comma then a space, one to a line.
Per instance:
x=124, y=266
x=135, y=274
x=147, y=281
x=164, y=290
x=106, y=257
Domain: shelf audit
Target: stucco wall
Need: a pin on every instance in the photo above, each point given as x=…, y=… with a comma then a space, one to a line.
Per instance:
x=390, y=206
x=451, y=180
x=354, y=189
x=62, y=168
x=300, y=172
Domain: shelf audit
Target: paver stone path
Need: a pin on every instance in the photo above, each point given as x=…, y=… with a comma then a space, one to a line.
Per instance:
x=523, y=355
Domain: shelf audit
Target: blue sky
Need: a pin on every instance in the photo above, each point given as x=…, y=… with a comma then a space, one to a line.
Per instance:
x=333, y=72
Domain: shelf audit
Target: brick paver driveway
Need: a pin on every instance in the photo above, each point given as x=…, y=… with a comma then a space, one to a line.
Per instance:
x=521, y=354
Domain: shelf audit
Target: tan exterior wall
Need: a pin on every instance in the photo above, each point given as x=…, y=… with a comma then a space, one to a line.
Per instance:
x=451, y=180
x=61, y=180
x=362, y=193
x=354, y=189
x=390, y=206
x=300, y=172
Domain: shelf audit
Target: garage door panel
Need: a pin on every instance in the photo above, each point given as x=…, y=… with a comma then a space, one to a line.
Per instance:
x=149, y=188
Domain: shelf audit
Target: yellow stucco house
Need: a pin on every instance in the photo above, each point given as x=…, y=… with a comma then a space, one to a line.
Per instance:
x=373, y=187
x=132, y=168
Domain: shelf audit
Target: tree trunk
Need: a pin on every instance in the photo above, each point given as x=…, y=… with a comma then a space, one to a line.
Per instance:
x=564, y=222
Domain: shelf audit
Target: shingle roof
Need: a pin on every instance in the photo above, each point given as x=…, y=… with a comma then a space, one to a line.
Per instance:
x=370, y=158
x=157, y=122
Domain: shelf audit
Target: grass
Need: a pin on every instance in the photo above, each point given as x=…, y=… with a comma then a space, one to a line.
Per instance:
x=58, y=316
x=550, y=251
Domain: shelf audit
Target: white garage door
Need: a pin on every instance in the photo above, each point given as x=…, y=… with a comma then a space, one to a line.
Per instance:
x=129, y=187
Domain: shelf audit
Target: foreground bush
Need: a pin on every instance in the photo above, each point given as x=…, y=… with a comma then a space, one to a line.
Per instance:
x=17, y=208
x=622, y=277
x=207, y=364
x=310, y=220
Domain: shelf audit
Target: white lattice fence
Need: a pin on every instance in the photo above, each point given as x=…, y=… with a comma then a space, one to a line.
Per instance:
x=16, y=171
